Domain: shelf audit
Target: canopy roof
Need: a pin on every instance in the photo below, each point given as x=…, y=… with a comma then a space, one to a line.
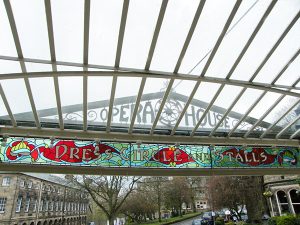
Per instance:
x=214, y=72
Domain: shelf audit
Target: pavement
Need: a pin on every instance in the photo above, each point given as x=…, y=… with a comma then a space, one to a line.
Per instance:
x=187, y=222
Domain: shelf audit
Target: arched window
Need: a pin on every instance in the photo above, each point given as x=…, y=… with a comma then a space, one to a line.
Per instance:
x=283, y=202
x=295, y=197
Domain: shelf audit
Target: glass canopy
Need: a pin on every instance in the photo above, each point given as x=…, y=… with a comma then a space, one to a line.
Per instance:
x=198, y=71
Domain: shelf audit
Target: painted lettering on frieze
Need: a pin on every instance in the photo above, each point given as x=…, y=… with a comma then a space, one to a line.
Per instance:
x=117, y=154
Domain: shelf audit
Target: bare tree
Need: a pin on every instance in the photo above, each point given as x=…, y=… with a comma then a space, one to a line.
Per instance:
x=108, y=192
x=176, y=194
x=236, y=192
x=139, y=206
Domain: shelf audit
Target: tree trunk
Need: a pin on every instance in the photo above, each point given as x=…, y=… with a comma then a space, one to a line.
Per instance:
x=159, y=207
x=111, y=220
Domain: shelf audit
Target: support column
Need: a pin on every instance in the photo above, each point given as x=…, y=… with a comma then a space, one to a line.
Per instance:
x=278, y=205
x=271, y=205
x=290, y=203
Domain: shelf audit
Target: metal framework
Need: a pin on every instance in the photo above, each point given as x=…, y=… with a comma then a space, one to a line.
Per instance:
x=271, y=133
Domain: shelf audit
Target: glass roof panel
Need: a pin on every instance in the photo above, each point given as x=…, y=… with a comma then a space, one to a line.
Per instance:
x=7, y=45
x=290, y=76
x=265, y=103
x=124, y=106
x=281, y=108
x=35, y=30
x=248, y=98
x=68, y=29
x=153, y=92
x=38, y=67
x=244, y=23
x=243, y=104
x=43, y=88
x=9, y=67
x=227, y=96
x=69, y=68
x=140, y=25
x=3, y=111
x=13, y=88
x=279, y=18
x=181, y=91
x=71, y=94
x=208, y=29
x=175, y=26
x=99, y=89
x=104, y=29
x=289, y=46
x=202, y=97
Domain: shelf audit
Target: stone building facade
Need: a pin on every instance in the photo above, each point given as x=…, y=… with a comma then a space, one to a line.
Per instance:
x=283, y=194
x=27, y=199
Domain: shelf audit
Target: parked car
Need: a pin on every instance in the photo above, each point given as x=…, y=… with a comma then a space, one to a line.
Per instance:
x=207, y=218
x=197, y=222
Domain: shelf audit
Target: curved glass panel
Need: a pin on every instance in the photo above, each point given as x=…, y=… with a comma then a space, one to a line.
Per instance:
x=244, y=23
x=7, y=45
x=71, y=94
x=140, y=25
x=125, y=97
x=68, y=29
x=104, y=30
x=175, y=26
x=208, y=29
x=9, y=67
x=20, y=106
x=281, y=15
x=99, y=89
x=35, y=30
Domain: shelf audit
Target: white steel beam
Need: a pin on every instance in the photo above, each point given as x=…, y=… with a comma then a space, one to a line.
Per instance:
x=253, y=35
x=188, y=102
x=263, y=116
x=162, y=104
x=227, y=112
x=146, y=138
x=189, y=35
x=220, y=38
x=207, y=109
x=121, y=32
x=20, y=56
x=245, y=114
x=85, y=107
x=86, y=32
x=87, y=6
x=137, y=104
x=258, y=86
x=279, y=99
x=148, y=62
x=208, y=62
x=286, y=31
x=159, y=21
x=295, y=134
x=279, y=119
x=53, y=59
x=111, y=102
x=287, y=127
x=11, y=115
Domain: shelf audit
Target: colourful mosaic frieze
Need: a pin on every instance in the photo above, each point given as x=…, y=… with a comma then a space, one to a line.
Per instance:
x=109, y=154
x=224, y=156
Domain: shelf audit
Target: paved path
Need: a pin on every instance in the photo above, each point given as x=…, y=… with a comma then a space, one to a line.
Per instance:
x=187, y=222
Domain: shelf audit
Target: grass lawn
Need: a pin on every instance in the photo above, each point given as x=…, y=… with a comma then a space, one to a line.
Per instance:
x=170, y=220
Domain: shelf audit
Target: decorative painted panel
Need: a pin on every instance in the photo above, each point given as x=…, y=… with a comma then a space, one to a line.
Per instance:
x=116, y=154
